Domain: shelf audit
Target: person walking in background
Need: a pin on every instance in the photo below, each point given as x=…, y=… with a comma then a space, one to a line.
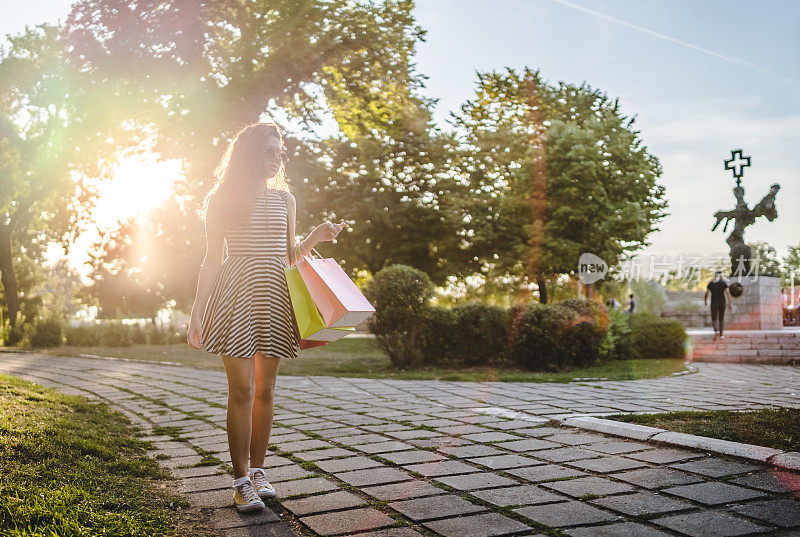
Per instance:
x=720, y=295
x=242, y=310
x=631, y=304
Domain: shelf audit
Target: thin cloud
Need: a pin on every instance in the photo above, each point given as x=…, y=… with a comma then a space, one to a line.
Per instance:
x=729, y=59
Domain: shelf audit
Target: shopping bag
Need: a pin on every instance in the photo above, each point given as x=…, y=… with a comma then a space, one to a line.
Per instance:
x=310, y=324
x=338, y=299
x=309, y=344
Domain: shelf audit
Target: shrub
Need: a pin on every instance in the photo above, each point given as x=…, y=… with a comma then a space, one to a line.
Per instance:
x=466, y=335
x=11, y=336
x=436, y=342
x=177, y=334
x=534, y=336
x=47, y=333
x=616, y=343
x=150, y=334
x=583, y=337
x=103, y=334
x=83, y=335
x=479, y=335
x=655, y=337
x=401, y=296
x=115, y=334
x=553, y=337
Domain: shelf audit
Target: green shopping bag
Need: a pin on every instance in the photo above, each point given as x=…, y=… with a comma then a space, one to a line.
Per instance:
x=309, y=320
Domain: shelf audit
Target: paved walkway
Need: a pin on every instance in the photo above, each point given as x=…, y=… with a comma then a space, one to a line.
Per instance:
x=408, y=458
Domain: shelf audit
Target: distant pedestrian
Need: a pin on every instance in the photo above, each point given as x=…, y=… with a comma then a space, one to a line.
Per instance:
x=720, y=294
x=631, y=305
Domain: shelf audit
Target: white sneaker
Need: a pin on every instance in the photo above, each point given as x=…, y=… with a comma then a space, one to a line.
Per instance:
x=244, y=495
x=259, y=478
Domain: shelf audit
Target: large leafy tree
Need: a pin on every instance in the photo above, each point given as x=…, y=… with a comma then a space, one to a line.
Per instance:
x=197, y=72
x=49, y=147
x=556, y=170
x=395, y=189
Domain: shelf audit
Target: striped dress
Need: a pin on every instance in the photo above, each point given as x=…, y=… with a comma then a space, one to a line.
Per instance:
x=249, y=308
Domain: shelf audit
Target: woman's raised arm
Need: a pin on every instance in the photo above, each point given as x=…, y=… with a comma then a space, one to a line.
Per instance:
x=323, y=232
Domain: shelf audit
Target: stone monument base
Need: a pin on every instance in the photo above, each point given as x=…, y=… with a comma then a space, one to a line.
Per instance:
x=759, y=306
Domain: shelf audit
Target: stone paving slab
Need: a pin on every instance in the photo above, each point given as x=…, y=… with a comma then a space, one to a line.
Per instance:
x=433, y=507
x=486, y=525
x=344, y=522
x=321, y=503
x=387, y=458
x=566, y=514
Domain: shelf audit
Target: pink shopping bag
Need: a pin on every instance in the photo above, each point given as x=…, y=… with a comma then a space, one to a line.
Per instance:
x=338, y=299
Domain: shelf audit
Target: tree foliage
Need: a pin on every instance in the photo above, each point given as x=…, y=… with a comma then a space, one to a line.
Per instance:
x=600, y=193
x=187, y=75
x=198, y=72
x=49, y=146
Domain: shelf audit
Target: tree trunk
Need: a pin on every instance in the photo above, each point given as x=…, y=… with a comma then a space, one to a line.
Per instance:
x=588, y=290
x=542, y=284
x=7, y=275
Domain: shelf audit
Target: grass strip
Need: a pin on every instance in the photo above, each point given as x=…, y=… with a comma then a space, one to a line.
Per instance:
x=72, y=466
x=773, y=428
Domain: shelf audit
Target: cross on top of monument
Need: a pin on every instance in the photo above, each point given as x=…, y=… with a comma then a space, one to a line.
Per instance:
x=737, y=163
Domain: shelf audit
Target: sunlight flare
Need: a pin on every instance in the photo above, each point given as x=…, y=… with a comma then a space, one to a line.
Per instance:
x=140, y=183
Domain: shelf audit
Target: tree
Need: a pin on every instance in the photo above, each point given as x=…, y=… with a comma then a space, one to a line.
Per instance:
x=119, y=284
x=791, y=263
x=140, y=266
x=556, y=170
x=197, y=72
x=49, y=146
x=768, y=262
x=394, y=188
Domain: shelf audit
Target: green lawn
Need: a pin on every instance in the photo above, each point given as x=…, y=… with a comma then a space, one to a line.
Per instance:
x=69, y=466
x=360, y=357
x=774, y=428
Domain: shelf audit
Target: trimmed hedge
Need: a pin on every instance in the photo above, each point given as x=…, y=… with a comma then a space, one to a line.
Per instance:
x=553, y=337
x=106, y=334
x=47, y=333
x=467, y=335
x=116, y=334
x=655, y=337
x=538, y=337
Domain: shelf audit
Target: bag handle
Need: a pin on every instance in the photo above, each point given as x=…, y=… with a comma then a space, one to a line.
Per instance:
x=316, y=252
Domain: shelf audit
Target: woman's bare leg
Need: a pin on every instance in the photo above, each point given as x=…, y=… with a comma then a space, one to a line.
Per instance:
x=241, y=390
x=266, y=371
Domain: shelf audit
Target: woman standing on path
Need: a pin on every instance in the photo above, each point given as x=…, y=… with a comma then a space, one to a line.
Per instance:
x=242, y=310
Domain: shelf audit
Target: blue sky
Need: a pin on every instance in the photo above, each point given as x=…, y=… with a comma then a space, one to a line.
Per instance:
x=704, y=77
